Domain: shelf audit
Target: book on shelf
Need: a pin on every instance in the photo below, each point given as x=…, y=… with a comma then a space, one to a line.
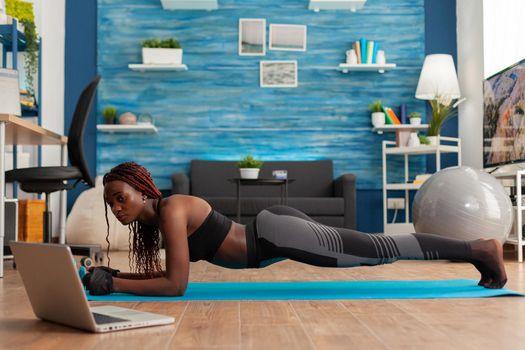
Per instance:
x=357, y=48
x=369, y=51
x=390, y=116
x=393, y=115
x=363, y=50
x=374, y=54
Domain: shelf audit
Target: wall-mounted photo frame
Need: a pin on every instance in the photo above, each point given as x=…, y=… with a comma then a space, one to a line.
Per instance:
x=278, y=74
x=288, y=37
x=252, y=37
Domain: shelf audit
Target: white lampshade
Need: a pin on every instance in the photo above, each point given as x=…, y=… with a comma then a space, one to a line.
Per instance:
x=9, y=92
x=438, y=78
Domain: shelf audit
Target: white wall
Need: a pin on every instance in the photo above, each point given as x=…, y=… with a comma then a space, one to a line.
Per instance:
x=470, y=75
x=503, y=34
x=490, y=37
x=50, y=21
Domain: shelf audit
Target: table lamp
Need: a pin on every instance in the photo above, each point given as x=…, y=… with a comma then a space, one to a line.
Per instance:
x=438, y=78
x=9, y=92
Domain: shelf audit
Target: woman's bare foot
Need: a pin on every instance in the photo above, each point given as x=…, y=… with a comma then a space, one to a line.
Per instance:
x=487, y=257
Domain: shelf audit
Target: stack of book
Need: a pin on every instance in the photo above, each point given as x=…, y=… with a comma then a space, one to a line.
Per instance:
x=390, y=116
x=366, y=51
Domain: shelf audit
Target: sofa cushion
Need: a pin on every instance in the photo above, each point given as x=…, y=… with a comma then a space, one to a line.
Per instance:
x=326, y=206
x=209, y=178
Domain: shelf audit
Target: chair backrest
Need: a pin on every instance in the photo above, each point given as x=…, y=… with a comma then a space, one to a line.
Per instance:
x=75, y=144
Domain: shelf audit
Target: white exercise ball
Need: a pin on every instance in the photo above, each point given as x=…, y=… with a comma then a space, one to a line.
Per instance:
x=463, y=203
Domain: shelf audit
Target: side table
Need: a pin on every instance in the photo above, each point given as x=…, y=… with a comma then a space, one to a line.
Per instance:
x=260, y=182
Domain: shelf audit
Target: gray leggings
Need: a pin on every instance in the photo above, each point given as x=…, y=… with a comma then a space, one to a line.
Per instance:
x=282, y=232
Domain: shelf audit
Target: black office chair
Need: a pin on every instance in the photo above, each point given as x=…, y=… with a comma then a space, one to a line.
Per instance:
x=55, y=178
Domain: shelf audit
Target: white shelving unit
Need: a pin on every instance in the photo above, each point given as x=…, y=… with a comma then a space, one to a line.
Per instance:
x=139, y=67
x=143, y=128
x=516, y=235
x=445, y=145
x=352, y=5
x=190, y=4
x=401, y=127
x=366, y=67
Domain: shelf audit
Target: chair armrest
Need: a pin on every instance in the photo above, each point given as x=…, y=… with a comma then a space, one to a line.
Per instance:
x=344, y=186
x=180, y=184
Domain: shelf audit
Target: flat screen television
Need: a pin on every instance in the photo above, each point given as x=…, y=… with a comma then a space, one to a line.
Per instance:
x=504, y=116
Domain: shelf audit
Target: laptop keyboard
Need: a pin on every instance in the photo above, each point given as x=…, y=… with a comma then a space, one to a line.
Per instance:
x=103, y=319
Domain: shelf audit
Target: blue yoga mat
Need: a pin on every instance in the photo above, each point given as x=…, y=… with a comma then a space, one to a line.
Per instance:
x=324, y=290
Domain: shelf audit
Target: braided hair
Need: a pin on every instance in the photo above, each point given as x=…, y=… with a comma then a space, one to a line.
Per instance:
x=144, y=251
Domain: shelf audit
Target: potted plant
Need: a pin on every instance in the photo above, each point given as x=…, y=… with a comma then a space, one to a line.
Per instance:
x=249, y=167
x=424, y=140
x=378, y=116
x=156, y=51
x=109, y=113
x=23, y=11
x=415, y=118
x=442, y=110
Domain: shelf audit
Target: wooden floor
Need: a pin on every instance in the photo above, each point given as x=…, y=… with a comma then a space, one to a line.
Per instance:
x=492, y=323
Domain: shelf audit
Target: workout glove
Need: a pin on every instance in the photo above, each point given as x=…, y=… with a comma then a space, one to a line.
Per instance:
x=98, y=282
x=113, y=272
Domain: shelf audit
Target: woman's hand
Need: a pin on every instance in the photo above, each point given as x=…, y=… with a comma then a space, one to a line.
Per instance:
x=113, y=272
x=99, y=281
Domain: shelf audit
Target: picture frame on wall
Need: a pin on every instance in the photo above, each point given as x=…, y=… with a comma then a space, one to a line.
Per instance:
x=278, y=74
x=252, y=37
x=288, y=37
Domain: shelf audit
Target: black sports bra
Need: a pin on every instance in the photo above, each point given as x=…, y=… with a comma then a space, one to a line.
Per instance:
x=206, y=240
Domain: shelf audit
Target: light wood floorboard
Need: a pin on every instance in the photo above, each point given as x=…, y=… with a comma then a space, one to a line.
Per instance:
x=492, y=323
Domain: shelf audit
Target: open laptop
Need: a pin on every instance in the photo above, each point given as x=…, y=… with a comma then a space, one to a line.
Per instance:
x=56, y=293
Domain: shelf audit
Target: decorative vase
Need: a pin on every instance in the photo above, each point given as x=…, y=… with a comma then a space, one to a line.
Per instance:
x=378, y=119
x=249, y=173
x=127, y=118
x=380, y=58
x=433, y=140
x=413, y=141
x=415, y=121
x=351, y=57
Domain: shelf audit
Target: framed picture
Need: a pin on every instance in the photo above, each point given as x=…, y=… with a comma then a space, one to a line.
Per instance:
x=252, y=37
x=288, y=37
x=278, y=74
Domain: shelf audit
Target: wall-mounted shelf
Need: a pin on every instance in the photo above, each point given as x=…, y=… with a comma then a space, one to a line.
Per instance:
x=189, y=4
x=352, y=5
x=139, y=67
x=395, y=127
x=381, y=68
x=144, y=128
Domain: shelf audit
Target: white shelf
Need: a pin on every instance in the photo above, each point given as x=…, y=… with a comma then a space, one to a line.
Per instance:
x=144, y=128
x=381, y=68
x=139, y=67
x=189, y=4
x=395, y=127
x=508, y=174
x=423, y=149
x=352, y=5
x=408, y=186
x=403, y=224
x=513, y=240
